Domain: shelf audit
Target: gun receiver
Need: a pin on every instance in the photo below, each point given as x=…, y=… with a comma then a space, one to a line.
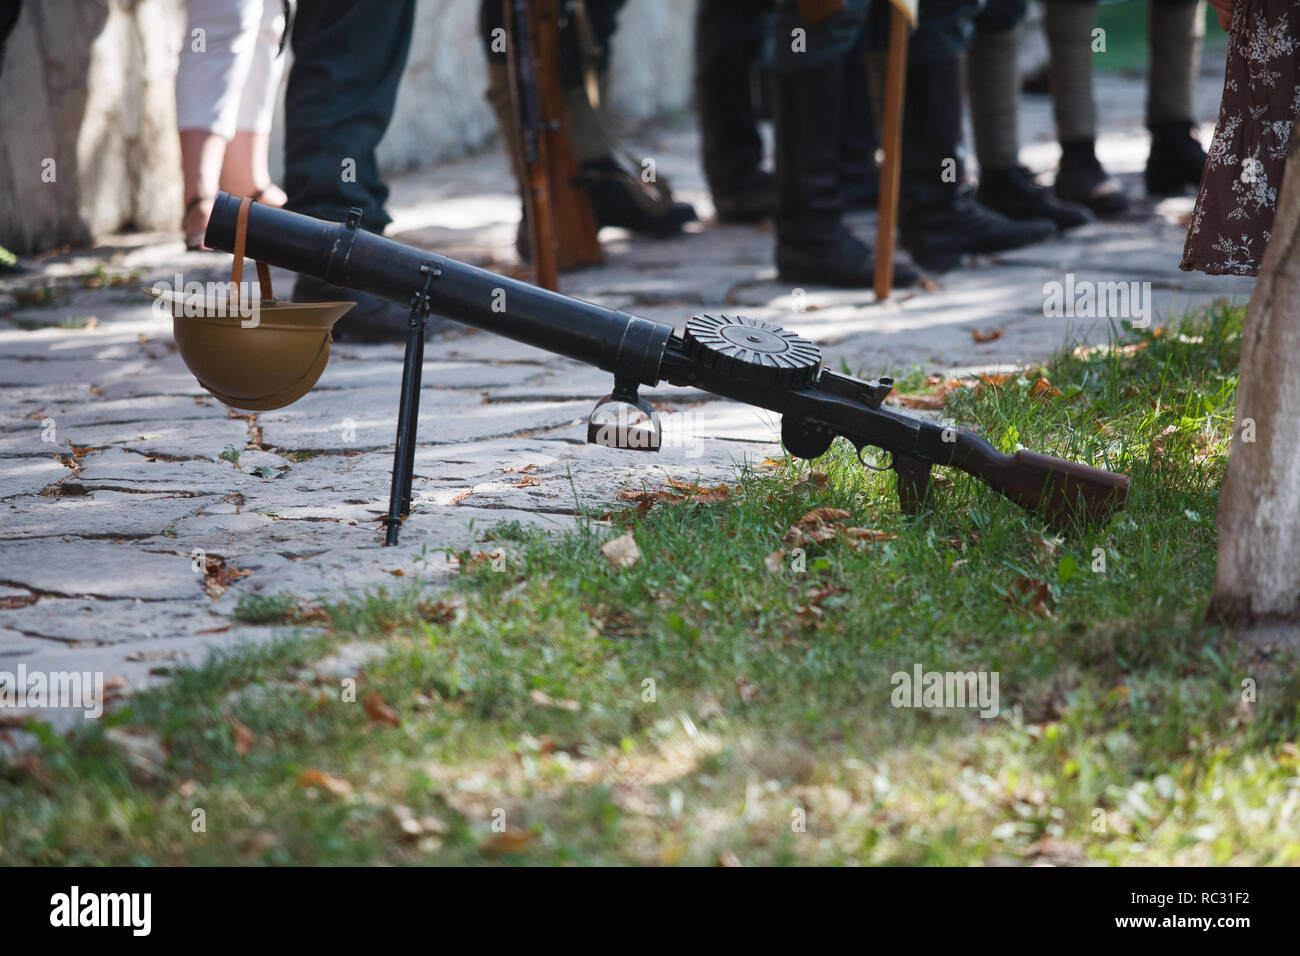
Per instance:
x=731, y=356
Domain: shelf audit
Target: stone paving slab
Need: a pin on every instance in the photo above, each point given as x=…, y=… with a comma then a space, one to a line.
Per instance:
x=97, y=541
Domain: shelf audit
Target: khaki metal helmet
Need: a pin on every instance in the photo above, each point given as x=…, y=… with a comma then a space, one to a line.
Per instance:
x=259, y=358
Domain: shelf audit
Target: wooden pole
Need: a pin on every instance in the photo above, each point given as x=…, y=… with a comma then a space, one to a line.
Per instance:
x=892, y=143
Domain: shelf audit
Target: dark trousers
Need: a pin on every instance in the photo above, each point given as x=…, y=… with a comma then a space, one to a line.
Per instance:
x=348, y=59
x=729, y=37
x=944, y=31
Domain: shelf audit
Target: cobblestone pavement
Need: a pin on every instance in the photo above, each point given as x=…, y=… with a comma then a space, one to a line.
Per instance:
x=115, y=466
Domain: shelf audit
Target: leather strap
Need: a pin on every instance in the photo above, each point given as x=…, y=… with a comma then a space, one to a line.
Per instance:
x=237, y=267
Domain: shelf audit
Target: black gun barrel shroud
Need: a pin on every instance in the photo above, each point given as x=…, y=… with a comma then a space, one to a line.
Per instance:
x=630, y=346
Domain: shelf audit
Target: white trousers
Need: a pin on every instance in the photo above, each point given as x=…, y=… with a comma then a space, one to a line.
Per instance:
x=229, y=73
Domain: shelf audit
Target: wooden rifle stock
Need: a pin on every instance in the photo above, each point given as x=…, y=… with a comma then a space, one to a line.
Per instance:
x=561, y=224
x=1066, y=493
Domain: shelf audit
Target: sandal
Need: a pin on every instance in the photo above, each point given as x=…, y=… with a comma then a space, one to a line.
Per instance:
x=194, y=240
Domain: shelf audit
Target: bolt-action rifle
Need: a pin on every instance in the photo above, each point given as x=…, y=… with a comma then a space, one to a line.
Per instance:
x=733, y=356
x=561, y=224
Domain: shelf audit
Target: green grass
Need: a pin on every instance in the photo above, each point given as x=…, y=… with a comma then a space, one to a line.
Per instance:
x=712, y=703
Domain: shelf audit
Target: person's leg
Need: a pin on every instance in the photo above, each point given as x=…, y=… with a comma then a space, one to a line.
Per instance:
x=728, y=41
x=859, y=174
x=246, y=171
x=348, y=60
x=213, y=67
x=993, y=84
x=1069, y=25
x=940, y=219
x=202, y=153
x=618, y=195
x=993, y=90
x=1175, y=31
x=812, y=242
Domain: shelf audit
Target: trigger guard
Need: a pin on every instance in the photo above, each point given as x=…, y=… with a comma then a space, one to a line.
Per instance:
x=874, y=467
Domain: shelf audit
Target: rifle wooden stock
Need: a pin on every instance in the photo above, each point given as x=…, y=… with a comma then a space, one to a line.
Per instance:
x=561, y=225
x=1066, y=493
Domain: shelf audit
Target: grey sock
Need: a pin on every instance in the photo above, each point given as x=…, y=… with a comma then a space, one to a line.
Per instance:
x=993, y=87
x=1069, y=38
x=1175, y=32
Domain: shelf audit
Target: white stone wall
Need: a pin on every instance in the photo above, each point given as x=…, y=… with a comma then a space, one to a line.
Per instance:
x=89, y=84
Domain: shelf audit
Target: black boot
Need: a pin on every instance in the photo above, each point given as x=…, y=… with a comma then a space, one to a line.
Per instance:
x=940, y=218
x=620, y=198
x=812, y=243
x=1017, y=195
x=1082, y=180
x=1176, y=161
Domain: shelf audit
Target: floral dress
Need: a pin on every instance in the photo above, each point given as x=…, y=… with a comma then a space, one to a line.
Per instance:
x=1233, y=215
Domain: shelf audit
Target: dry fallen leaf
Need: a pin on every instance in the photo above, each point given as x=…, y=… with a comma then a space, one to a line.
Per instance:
x=378, y=711
x=1044, y=548
x=822, y=515
x=980, y=337
x=816, y=526
x=1043, y=388
x=932, y=400
x=316, y=778
x=869, y=534
x=621, y=552
x=746, y=690
x=218, y=576
x=1031, y=593
x=682, y=493
x=443, y=611
x=244, y=738
x=526, y=481
x=815, y=595
x=511, y=841
x=774, y=561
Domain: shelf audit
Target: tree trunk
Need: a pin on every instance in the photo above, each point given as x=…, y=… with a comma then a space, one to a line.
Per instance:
x=1258, y=575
